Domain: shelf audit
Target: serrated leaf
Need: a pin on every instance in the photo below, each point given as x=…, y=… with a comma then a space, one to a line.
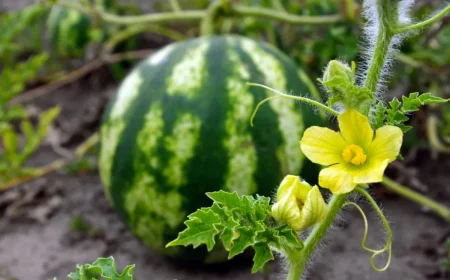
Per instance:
x=228, y=234
x=269, y=236
x=395, y=104
x=102, y=268
x=201, y=229
x=290, y=239
x=109, y=270
x=247, y=207
x=379, y=116
x=229, y=200
x=261, y=206
x=263, y=254
x=414, y=101
x=404, y=128
x=245, y=238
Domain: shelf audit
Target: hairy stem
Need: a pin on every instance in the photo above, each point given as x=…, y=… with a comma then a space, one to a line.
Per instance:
x=381, y=49
x=298, y=260
x=439, y=209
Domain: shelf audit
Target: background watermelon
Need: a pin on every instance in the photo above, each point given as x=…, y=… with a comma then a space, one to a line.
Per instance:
x=70, y=31
x=179, y=127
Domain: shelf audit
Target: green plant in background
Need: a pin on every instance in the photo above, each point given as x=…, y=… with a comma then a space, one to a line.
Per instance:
x=101, y=269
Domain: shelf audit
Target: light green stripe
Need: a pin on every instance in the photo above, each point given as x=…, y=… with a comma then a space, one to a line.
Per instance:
x=181, y=143
x=188, y=75
x=151, y=133
x=289, y=117
x=151, y=213
x=242, y=160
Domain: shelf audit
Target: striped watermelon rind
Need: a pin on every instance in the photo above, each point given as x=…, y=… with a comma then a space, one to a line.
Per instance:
x=179, y=127
x=71, y=31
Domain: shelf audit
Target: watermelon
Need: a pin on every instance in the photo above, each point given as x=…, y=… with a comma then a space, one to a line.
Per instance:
x=179, y=127
x=71, y=31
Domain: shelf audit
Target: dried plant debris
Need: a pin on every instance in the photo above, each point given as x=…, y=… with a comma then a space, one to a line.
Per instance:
x=36, y=201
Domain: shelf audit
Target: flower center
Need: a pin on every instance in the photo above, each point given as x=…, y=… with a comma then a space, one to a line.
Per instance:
x=354, y=154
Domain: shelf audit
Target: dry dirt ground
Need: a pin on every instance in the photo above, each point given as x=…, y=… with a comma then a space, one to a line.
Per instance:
x=37, y=242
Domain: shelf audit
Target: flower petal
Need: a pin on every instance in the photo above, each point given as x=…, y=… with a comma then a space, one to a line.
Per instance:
x=300, y=189
x=338, y=178
x=314, y=210
x=322, y=145
x=387, y=144
x=370, y=172
x=286, y=210
x=355, y=128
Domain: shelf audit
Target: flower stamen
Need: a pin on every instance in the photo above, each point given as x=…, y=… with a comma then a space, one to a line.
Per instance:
x=354, y=154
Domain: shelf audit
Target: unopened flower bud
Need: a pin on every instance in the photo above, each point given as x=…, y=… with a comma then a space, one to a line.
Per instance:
x=298, y=204
x=339, y=70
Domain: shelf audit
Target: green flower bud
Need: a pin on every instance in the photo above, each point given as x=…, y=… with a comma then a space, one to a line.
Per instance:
x=339, y=70
x=298, y=204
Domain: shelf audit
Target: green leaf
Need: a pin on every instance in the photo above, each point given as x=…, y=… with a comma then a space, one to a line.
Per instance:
x=398, y=112
x=290, y=239
x=109, y=270
x=240, y=222
x=379, y=116
x=412, y=103
x=102, y=269
x=263, y=254
x=229, y=200
x=245, y=238
x=229, y=233
x=201, y=229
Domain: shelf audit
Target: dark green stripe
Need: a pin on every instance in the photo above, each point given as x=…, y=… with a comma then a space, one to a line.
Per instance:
x=265, y=133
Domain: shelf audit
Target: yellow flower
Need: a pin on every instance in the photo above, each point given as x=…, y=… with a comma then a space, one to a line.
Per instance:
x=298, y=204
x=354, y=156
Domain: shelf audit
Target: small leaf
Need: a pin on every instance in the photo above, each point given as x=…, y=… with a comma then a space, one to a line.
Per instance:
x=263, y=254
x=102, y=268
x=229, y=200
x=379, y=116
x=245, y=238
x=108, y=267
x=228, y=234
x=290, y=238
x=414, y=101
x=200, y=230
x=261, y=206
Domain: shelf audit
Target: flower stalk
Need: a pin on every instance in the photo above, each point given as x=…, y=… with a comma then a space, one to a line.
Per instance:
x=298, y=262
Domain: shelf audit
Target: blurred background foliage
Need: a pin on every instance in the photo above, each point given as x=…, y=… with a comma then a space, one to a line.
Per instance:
x=33, y=55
